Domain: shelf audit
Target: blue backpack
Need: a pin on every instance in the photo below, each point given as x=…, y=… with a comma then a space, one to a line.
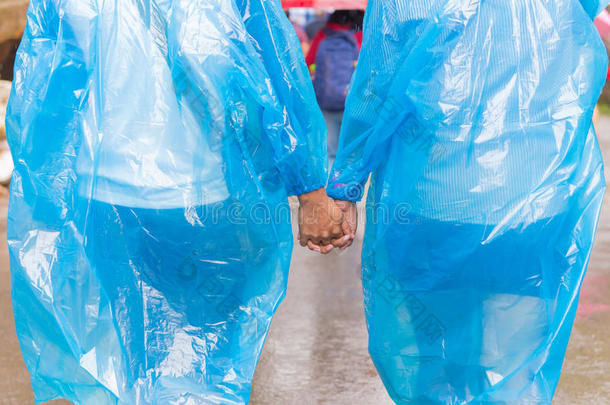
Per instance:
x=335, y=64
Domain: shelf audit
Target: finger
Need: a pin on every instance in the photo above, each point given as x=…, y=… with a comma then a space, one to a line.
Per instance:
x=348, y=244
x=338, y=232
x=313, y=247
x=325, y=239
x=337, y=215
x=348, y=226
x=326, y=249
x=322, y=243
x=305, y=238
x=342, y=241
x=350, y=213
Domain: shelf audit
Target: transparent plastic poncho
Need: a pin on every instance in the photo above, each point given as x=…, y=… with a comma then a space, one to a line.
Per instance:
x=155, y=144
x=475, y=120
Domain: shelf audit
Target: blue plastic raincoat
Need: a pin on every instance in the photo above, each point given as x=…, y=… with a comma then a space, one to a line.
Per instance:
x=155, y=144
x=474, y=118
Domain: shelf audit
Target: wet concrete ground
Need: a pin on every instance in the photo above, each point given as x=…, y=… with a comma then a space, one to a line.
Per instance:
x=316, y=351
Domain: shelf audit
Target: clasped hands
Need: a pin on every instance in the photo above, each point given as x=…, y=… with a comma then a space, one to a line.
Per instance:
x=326, y=224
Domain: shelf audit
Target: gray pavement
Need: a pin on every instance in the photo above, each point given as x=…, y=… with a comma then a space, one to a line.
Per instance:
x=316, y=351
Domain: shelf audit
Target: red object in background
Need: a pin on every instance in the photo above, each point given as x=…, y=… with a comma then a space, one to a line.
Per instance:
x=337, y=4
x=602, y=23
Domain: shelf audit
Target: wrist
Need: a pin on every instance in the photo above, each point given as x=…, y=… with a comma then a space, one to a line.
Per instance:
x=312, y=196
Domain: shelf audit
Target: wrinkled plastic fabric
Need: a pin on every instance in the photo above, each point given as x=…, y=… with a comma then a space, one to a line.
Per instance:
x=155, y=145
x=474, y=118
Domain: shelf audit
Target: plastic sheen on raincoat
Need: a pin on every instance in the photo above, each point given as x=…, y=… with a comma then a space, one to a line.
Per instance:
x=155, y=144
x=475, y=120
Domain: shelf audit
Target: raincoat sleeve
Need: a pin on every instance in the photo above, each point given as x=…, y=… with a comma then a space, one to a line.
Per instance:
x=379, y=104
x=299, y=147
x=360, y=151
x=41, y=39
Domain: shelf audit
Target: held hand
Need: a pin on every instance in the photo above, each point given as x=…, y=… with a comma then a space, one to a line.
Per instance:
x=320, y=222
x=350, y=221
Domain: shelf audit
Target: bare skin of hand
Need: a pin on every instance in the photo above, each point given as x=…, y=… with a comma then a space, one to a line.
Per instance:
x=320, y=222
x=350, y=221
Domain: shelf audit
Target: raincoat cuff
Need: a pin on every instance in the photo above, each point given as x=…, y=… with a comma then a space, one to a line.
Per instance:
x=345, y=191
x=302, y=174
x=304, y=188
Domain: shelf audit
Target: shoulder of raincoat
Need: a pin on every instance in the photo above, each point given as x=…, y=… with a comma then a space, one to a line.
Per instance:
x=376, y=106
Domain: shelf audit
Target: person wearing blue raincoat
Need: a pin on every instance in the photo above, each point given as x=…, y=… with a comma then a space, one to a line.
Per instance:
x=155, y=144
x=475, y=120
